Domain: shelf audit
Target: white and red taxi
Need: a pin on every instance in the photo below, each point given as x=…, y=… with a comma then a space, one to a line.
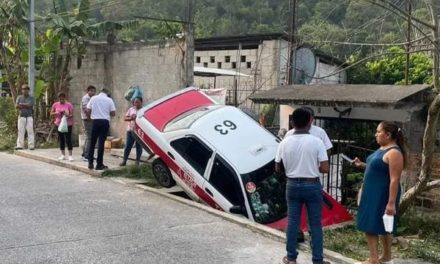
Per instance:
x=219, y=156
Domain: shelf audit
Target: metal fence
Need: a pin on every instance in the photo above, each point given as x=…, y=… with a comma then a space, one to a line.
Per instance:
x=354, y=138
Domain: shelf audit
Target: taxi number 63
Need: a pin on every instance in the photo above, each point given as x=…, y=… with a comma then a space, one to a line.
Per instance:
x=225, y=127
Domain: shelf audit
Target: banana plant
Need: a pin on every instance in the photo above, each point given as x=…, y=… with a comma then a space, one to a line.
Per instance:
x=13, y=43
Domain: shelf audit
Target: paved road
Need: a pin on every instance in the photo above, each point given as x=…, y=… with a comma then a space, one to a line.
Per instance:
x=49, y=214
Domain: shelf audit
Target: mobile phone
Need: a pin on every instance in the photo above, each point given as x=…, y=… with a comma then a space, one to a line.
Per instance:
x=347, y=158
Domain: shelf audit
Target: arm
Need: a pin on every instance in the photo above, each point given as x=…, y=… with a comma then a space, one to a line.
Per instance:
x=112, y=109
x=395, y=163
x=359, y=164
x=70, y=114
x=279, y=167
x=324, y=166
x=53, y=111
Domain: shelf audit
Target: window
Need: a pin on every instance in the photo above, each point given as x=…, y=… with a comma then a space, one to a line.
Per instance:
x=243, y=58
x=198, y=59
x=194, y=152
x=212, y=59
x=224, y=179
x=248, y=65
x=205, y=64
x=219, y=65
x=227, y=58
x=234, y=65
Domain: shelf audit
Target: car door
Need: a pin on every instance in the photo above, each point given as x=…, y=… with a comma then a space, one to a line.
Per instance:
x=193, y=157
x=223, y=185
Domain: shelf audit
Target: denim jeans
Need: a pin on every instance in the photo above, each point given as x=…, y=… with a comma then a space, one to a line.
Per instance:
x=100, y=129
x=310, y=195
x=129, y=145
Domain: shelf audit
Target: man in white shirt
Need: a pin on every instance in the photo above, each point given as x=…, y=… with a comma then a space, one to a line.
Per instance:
x=303, y=158
x=315, y=131
x=86, y=121
x=100, y=108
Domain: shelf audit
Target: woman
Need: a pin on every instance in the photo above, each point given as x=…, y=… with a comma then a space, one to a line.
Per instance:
x=60, y=108
x=380, y=192
x=130, y=117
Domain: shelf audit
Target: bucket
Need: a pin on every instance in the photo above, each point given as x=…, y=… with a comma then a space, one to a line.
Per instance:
x=82, y=140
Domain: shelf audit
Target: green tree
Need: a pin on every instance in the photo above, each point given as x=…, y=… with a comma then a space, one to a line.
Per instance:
x=390, y=69
x=13, y=43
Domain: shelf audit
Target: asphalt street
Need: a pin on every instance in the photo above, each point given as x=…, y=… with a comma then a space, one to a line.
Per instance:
x=49, y=214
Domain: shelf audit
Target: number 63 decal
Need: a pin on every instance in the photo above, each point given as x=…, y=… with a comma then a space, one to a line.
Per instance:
x=225, y=127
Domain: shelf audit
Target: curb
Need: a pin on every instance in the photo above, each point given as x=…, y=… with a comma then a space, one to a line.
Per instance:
x=244, y=222
x=59, y=163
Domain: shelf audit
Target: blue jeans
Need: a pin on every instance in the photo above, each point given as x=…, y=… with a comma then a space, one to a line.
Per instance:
x=129, y=145
x=310, y=194
x=100, y=129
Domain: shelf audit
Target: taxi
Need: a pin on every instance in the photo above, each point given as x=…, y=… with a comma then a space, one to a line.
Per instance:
x=220, y=156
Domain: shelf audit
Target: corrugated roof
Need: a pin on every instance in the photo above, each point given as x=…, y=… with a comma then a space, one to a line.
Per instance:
x=339, y=94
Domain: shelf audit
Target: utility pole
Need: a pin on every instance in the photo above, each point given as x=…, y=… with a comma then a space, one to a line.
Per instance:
x=189, y=43
x=31, y=69
x=291, y=41
x=408, y=45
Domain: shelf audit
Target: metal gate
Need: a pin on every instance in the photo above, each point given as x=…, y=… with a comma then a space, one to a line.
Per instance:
x=354, y=138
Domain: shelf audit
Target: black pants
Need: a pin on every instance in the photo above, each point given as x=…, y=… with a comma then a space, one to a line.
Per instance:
x=65, y=137
x=99, y=133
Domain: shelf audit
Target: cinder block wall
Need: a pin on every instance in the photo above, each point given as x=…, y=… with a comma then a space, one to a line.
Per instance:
x=156, y=67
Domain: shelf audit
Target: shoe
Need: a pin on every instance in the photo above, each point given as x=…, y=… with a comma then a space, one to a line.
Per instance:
x=90, y=166
x=151, y=156
x=71, y=158
x=85, y=159
x=18, y=148
x=62, y=157
x=286, y=261
x=386, y=262
x=31, y=148
x=101, y=167
x=136, y=163
x=122, y=164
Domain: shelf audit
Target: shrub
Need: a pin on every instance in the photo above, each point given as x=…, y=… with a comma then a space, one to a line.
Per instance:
x=8, y=123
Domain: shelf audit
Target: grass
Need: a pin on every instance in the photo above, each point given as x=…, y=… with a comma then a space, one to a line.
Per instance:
x=141, y=172
x=418, y=237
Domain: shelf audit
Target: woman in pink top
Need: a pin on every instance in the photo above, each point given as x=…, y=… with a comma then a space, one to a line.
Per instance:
x=60, y=108
x=130, y=117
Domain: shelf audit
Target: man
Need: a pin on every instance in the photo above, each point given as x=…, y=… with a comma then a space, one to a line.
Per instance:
x=100, y=108
x=315, y=131
x=25, y=105
x=86, y=121
x=303, y=158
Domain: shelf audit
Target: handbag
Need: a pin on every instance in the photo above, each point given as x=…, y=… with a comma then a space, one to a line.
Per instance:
x=63, y=128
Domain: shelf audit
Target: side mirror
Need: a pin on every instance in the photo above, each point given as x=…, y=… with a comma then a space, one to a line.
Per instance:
x=236, y=209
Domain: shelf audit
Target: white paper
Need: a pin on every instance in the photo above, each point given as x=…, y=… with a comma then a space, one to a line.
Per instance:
x=388, y=222
x=347, y=158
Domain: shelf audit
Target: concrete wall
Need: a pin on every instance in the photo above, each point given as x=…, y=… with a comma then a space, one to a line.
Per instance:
x=154, y=67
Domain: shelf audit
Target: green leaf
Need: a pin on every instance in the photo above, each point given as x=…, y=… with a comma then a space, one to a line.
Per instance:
x=40, y=88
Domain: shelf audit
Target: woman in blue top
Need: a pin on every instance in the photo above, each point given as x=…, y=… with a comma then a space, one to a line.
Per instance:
x=380, y=192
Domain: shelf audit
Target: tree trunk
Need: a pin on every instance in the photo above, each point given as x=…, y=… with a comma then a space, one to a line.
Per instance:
x=430, y=133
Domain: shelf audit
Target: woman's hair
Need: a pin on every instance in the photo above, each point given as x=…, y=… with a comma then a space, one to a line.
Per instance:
x=396, y=134
x=137, y=98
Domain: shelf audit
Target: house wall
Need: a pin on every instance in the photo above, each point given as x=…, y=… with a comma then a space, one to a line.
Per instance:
x=266, y=65
x=328, y=74
x=154, y=67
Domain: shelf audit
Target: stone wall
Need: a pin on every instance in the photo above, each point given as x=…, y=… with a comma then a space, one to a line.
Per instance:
x=156, y=67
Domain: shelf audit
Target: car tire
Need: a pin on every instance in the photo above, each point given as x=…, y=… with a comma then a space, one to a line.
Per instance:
x=162, y=174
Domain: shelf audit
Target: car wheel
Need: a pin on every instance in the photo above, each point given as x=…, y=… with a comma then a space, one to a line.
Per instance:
x=162, y=174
